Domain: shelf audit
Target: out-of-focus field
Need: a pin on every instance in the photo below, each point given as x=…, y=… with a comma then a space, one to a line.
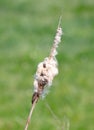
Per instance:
x=27, y=30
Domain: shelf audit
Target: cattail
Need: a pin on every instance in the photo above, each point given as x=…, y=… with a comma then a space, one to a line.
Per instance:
x=46, y=71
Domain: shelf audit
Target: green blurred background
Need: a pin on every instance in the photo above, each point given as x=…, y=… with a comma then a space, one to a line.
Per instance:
x=27, y=30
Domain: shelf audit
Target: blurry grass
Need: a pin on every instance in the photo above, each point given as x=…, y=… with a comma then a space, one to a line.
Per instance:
x=27, y=30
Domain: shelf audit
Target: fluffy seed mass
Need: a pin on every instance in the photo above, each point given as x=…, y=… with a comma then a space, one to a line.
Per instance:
x=46, y=70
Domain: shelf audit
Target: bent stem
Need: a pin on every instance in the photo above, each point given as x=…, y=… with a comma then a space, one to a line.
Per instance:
x=30, y=114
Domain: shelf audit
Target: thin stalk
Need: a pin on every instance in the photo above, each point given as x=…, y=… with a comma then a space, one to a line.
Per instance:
x=30, y=114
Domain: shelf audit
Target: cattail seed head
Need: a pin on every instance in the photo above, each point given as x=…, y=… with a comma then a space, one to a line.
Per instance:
x=48, y=69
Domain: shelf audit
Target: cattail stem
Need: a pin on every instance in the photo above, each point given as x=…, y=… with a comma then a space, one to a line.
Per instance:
x=30, y=114
x=59, y=23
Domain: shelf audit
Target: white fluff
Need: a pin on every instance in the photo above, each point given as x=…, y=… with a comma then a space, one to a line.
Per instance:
x=47, y=70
